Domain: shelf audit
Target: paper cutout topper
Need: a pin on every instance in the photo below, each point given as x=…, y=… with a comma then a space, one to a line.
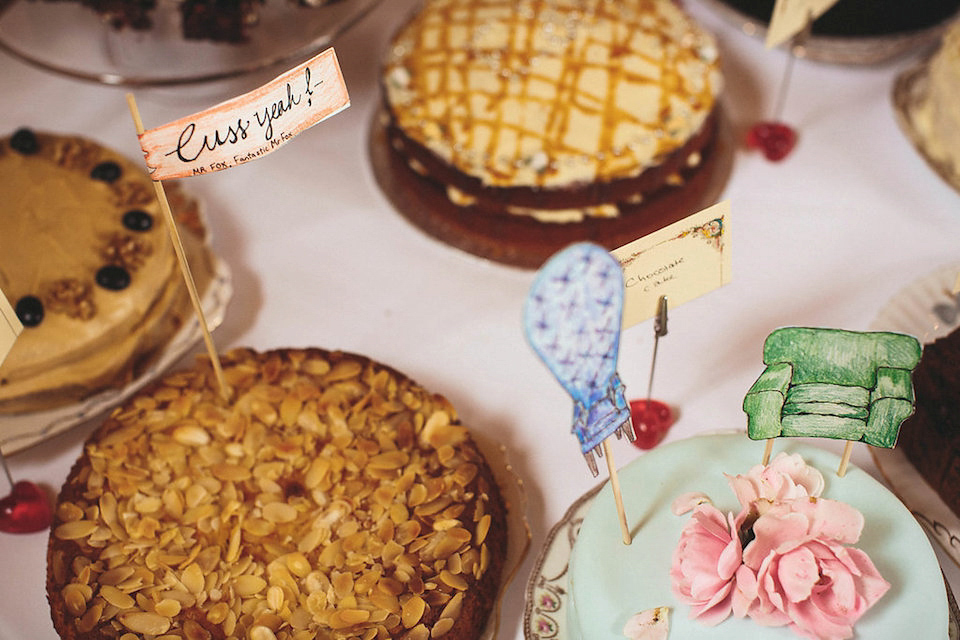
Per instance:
x=234, y=132
x=790, y=17
x=249, y=126
x=682, y=261
x=10, y=327
x=572, y=319
x=832, y=383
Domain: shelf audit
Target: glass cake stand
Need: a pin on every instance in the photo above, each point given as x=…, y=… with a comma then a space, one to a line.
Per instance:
x=72, y=40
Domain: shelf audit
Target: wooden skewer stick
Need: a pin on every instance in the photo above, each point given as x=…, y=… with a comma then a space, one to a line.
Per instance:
x=182, y=260
x=847, y=450
x=956, y=285
x=767, y=450
x=6, y=469
x=617, y=496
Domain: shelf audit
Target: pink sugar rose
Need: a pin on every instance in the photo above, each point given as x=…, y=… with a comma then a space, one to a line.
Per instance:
x=787, y=477
x=784, y=560
x=805, y=575
x=705, y=565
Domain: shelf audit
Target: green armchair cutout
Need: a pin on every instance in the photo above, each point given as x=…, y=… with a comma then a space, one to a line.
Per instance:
x=831, y=383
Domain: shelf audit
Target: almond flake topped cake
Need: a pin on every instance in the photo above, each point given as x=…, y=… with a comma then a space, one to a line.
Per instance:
x=330, y=497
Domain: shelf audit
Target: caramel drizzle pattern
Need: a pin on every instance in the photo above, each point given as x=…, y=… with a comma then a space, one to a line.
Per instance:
x=548, y=18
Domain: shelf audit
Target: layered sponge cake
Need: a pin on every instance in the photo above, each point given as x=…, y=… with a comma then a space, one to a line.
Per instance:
x=534, y=123
x=88, y=264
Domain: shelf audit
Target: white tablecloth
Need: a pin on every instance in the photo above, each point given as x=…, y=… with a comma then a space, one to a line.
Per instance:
x=320, y=258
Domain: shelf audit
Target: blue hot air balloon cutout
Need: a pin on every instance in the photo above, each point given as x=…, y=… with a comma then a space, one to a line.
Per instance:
x=572, y=319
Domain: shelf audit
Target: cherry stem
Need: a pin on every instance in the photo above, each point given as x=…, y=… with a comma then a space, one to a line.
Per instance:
x=6, y=469
x=795, y=48
x=784, y=86
x=659, y=329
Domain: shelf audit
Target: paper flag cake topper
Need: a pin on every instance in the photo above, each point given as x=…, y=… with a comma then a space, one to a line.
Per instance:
x=239, y=130
x=572, y=319
x=10, y=327
x=248, y=126
x=831, y=383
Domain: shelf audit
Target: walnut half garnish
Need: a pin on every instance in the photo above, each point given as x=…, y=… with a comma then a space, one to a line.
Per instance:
x=70, y=296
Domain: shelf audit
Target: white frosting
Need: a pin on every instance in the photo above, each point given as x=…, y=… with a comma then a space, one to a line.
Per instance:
x=610, y=581
x=552, y=93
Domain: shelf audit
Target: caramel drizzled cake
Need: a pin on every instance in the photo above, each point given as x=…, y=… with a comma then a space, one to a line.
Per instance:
x=330, y=497
x=87, y=262
x=556, y=111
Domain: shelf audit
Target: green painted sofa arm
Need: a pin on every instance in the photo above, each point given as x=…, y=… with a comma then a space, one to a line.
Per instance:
x=763, y=403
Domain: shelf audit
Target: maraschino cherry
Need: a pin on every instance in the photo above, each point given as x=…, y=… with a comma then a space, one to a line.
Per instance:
x=775, y=139
x=26, y=509
x=651, y=421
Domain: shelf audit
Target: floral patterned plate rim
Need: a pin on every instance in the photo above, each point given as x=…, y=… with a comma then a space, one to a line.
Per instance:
x=545, y=612
x=544, y=615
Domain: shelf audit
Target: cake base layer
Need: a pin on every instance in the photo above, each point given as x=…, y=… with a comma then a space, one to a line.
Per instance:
x=523, y=241
x=611, y=581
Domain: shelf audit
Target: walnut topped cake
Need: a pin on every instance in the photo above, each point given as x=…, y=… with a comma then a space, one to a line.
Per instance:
x=88, y=264
x=330, y=497
x=559, y=111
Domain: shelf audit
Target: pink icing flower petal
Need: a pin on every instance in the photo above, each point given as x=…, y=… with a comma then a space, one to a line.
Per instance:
x=688, y=501
x=744, y=596
x=786, y=478
x=704, y=564
x=652, y=624
x=832, y=520
x=798, y=572
x=796, y=568
x=778, y=530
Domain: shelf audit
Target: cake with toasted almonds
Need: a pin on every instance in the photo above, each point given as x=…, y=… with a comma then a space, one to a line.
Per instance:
x=87, y=262
x=329, y=497
x=540, y=122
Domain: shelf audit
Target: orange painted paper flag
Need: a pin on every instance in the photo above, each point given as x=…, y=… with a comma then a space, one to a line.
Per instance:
x=249, y=126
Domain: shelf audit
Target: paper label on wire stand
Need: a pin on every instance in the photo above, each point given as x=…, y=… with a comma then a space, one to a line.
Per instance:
x=10, y=327
x=249, y=126
x=790, y=17
x=689, y=258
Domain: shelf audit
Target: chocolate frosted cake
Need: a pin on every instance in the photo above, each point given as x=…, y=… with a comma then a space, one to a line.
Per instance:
x=215, y=20
x=931, y=437
x=523, y=126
